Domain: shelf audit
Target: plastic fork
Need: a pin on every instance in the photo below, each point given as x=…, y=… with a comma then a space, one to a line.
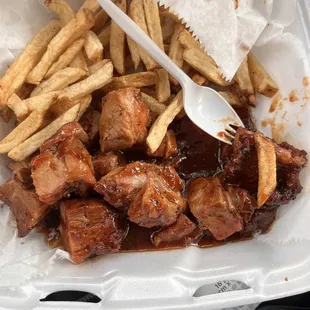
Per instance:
x=204, y=106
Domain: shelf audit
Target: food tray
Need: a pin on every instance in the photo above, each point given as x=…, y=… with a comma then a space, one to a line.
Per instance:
x=169, y=279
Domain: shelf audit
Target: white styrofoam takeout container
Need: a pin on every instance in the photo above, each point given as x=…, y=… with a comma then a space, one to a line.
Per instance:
x=169, y=279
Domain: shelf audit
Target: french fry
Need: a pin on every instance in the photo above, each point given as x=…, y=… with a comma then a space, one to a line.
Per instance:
x=17, y=105
x=168, y=29
x=232, y=98
x=243, y=79
x=35, y=103
x=187, y=40
x=16, y=74
x=98, y=65
x=66, y=14
x=117, y=42
x=92, y=5
x=67, y=35
x=200, y=61
x=59, y=80
x=79, y=62
x=166, y=13
x=153, y=22
x=153, y=104
x=176, y=49
x=138, y=80
x=267, y=168
x=101, y=19
x=25, y=129
x=32, y=144
x=136, y=12
x=62, y=9
x=261, y=80
x=104, y=36
x=162, y=85
x=90, y=84
x=160, y=126
x=84, y=103
x=93, y=47
x=66, y=58
x=57, y=109
x=134, y=52
x=199, y=79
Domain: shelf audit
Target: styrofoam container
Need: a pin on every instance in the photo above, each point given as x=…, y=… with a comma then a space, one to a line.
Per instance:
x=169, y=279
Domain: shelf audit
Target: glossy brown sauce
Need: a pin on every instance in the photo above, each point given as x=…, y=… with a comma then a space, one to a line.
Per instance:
x=200, y=155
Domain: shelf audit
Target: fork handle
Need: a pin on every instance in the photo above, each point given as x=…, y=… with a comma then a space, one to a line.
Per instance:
x=143, y=40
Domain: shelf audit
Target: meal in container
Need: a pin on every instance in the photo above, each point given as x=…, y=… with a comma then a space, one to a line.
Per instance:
x=104, y=158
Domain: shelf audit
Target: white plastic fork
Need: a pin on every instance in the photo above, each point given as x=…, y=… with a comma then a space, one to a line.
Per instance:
x=204, y=106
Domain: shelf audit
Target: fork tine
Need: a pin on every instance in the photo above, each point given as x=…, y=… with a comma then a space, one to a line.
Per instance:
x=231, y=129
x=229, y=135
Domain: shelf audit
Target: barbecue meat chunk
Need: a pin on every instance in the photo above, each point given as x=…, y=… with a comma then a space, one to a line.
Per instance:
x=158, y=203
x=88, y=227
x=121, y=185
x=105, y=163
x=180, y=229
x=242, y=169
x=90, y=123
x=124, y=120
x=210, y=204
x=63, y=166
x=25, y=205
x=168, y=148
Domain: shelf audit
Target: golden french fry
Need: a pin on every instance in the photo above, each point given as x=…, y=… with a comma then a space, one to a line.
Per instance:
x=199, y=79
x=136, y=12
x=104, y=36
x=267, y=168
x=168, y=29
x=162, y=85
x=98, y=65
x=159, y=128
x=84, y=103
x=16, y=74
x=153, y=22
x=93, y=47
x=101, y=19
x=261, y=80
x=79, y=62
x=117, y=42
x=67, y=35
x=66, y=58
x=176, y=49
x=90, y=84
x=36, y=102
x=243, y=79
x=91, y=5
x=134, y=52
x=153, y=104
x=17, y=105
x=33, y=143
x=200, y=61
x=187, y=40
x=62, y=9
x=167, y=14
x=140, y=79
x=25, y=129
x=232, y=98
x=59, y=80
x=66, y=14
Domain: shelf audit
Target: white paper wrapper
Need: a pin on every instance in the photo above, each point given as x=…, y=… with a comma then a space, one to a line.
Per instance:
x=227, y=29
x=282, y=54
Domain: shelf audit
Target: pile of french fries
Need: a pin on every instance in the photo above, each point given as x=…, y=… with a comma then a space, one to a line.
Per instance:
x=51, y=83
